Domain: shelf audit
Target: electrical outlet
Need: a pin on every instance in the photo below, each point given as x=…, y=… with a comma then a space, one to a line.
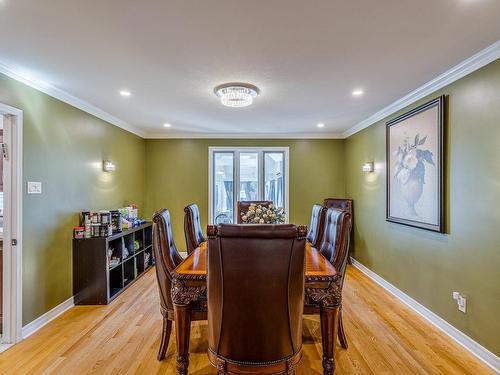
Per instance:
x=34, y=187
x=461, y=301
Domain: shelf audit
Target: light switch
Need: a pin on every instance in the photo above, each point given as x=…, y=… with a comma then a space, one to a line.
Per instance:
x=34, y=187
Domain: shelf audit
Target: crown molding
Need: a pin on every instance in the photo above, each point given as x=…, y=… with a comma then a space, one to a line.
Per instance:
x=70, y=99
x=180, y=135
x=466, y=67
x=473, y=63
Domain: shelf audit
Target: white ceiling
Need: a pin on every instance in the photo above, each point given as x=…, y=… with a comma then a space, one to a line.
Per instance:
x=305, y=56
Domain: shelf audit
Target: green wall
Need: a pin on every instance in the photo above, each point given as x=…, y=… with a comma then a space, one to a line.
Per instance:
x=64, y=148
x=177, y=175
x=430, y=266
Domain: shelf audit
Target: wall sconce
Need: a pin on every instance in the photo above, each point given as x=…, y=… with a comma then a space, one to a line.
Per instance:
x=108, y=166
x=368, y=167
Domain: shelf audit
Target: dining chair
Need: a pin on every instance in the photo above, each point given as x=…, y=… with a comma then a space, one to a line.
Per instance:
x=167, y=258
x=344, y=205
x=192, y=227
x=242, y=206
x=255, y=284
x=317, y=226
x=334, y=247
x=340, y=203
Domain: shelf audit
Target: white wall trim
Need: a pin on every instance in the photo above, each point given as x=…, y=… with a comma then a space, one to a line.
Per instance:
x=70, y=99
x=182, y=135
x=236, y=175
x=44, y=319
x=472, y=346
x=13, y=226
x=473, y=63
x=4, y=347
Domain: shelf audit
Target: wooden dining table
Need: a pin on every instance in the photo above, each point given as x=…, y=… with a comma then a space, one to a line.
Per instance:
x=322, y=285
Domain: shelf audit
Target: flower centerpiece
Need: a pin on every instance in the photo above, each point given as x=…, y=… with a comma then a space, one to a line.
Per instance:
x=262, y=214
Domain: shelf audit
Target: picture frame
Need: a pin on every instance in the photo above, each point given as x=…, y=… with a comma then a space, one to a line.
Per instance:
x=414, y=167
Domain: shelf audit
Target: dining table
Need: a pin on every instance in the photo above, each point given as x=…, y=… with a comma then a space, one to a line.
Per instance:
x=322, y=285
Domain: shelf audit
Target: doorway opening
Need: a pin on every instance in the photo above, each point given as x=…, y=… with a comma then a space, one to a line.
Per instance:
x=10, y=225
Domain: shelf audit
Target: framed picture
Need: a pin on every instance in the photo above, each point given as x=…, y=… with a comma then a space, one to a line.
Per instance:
x=414, y=148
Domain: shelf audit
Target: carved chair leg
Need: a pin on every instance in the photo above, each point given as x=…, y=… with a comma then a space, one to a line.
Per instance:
x=182, y=329
x=165, y=338
x=342, y=337
x=329, y=328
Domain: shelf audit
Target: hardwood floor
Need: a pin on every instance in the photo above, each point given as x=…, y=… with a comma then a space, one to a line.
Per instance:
x=384, y=337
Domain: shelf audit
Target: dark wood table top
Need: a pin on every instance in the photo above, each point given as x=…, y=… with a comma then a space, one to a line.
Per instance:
x=316, y=264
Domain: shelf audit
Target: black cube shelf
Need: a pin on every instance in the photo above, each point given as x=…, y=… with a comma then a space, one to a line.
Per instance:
x=94, y=281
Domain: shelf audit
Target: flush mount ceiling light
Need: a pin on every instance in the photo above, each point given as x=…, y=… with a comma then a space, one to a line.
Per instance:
x=320, y=125
x=236, y=94
x=125, y=93
x=357, y=92
x=167, y=125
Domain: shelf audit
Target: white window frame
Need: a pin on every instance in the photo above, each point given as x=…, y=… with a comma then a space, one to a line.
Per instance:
x=237, y=151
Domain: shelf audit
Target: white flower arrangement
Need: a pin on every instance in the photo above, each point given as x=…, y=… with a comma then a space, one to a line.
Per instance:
x=259, y=214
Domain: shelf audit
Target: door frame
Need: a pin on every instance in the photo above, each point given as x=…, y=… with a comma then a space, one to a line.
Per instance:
x=13, y=210
x=236, y=150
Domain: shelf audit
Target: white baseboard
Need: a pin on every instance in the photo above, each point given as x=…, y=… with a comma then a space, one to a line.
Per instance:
x=4, y=347
x=50, y=315
x=461, y=338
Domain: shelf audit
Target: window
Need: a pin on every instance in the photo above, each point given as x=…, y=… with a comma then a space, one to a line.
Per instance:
x=246, y=174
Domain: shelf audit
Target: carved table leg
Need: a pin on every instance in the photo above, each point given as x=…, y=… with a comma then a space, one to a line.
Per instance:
x=329, y=332
x=182, y=334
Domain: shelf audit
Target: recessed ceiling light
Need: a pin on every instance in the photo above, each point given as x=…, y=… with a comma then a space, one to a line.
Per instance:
x=320, y=125
x=357, y=92
x=125, y=93
x=167, y=125
x=236, y=94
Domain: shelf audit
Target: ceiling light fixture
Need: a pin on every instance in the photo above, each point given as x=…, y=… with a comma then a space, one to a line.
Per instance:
x=320, y=125
x=125, y=93
x=236, y=94
x=357, y=93
x=167, y=125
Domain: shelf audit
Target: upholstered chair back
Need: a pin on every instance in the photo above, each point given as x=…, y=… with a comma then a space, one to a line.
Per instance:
x=242, y=206
x=166, y=256
x=344, y=205
x=335, y=243
x=192, y=227
x=340, y=203
x=255, y=296
x=317, y=225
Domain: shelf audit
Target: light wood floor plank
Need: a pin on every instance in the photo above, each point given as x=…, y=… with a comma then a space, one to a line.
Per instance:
x=385, y=337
